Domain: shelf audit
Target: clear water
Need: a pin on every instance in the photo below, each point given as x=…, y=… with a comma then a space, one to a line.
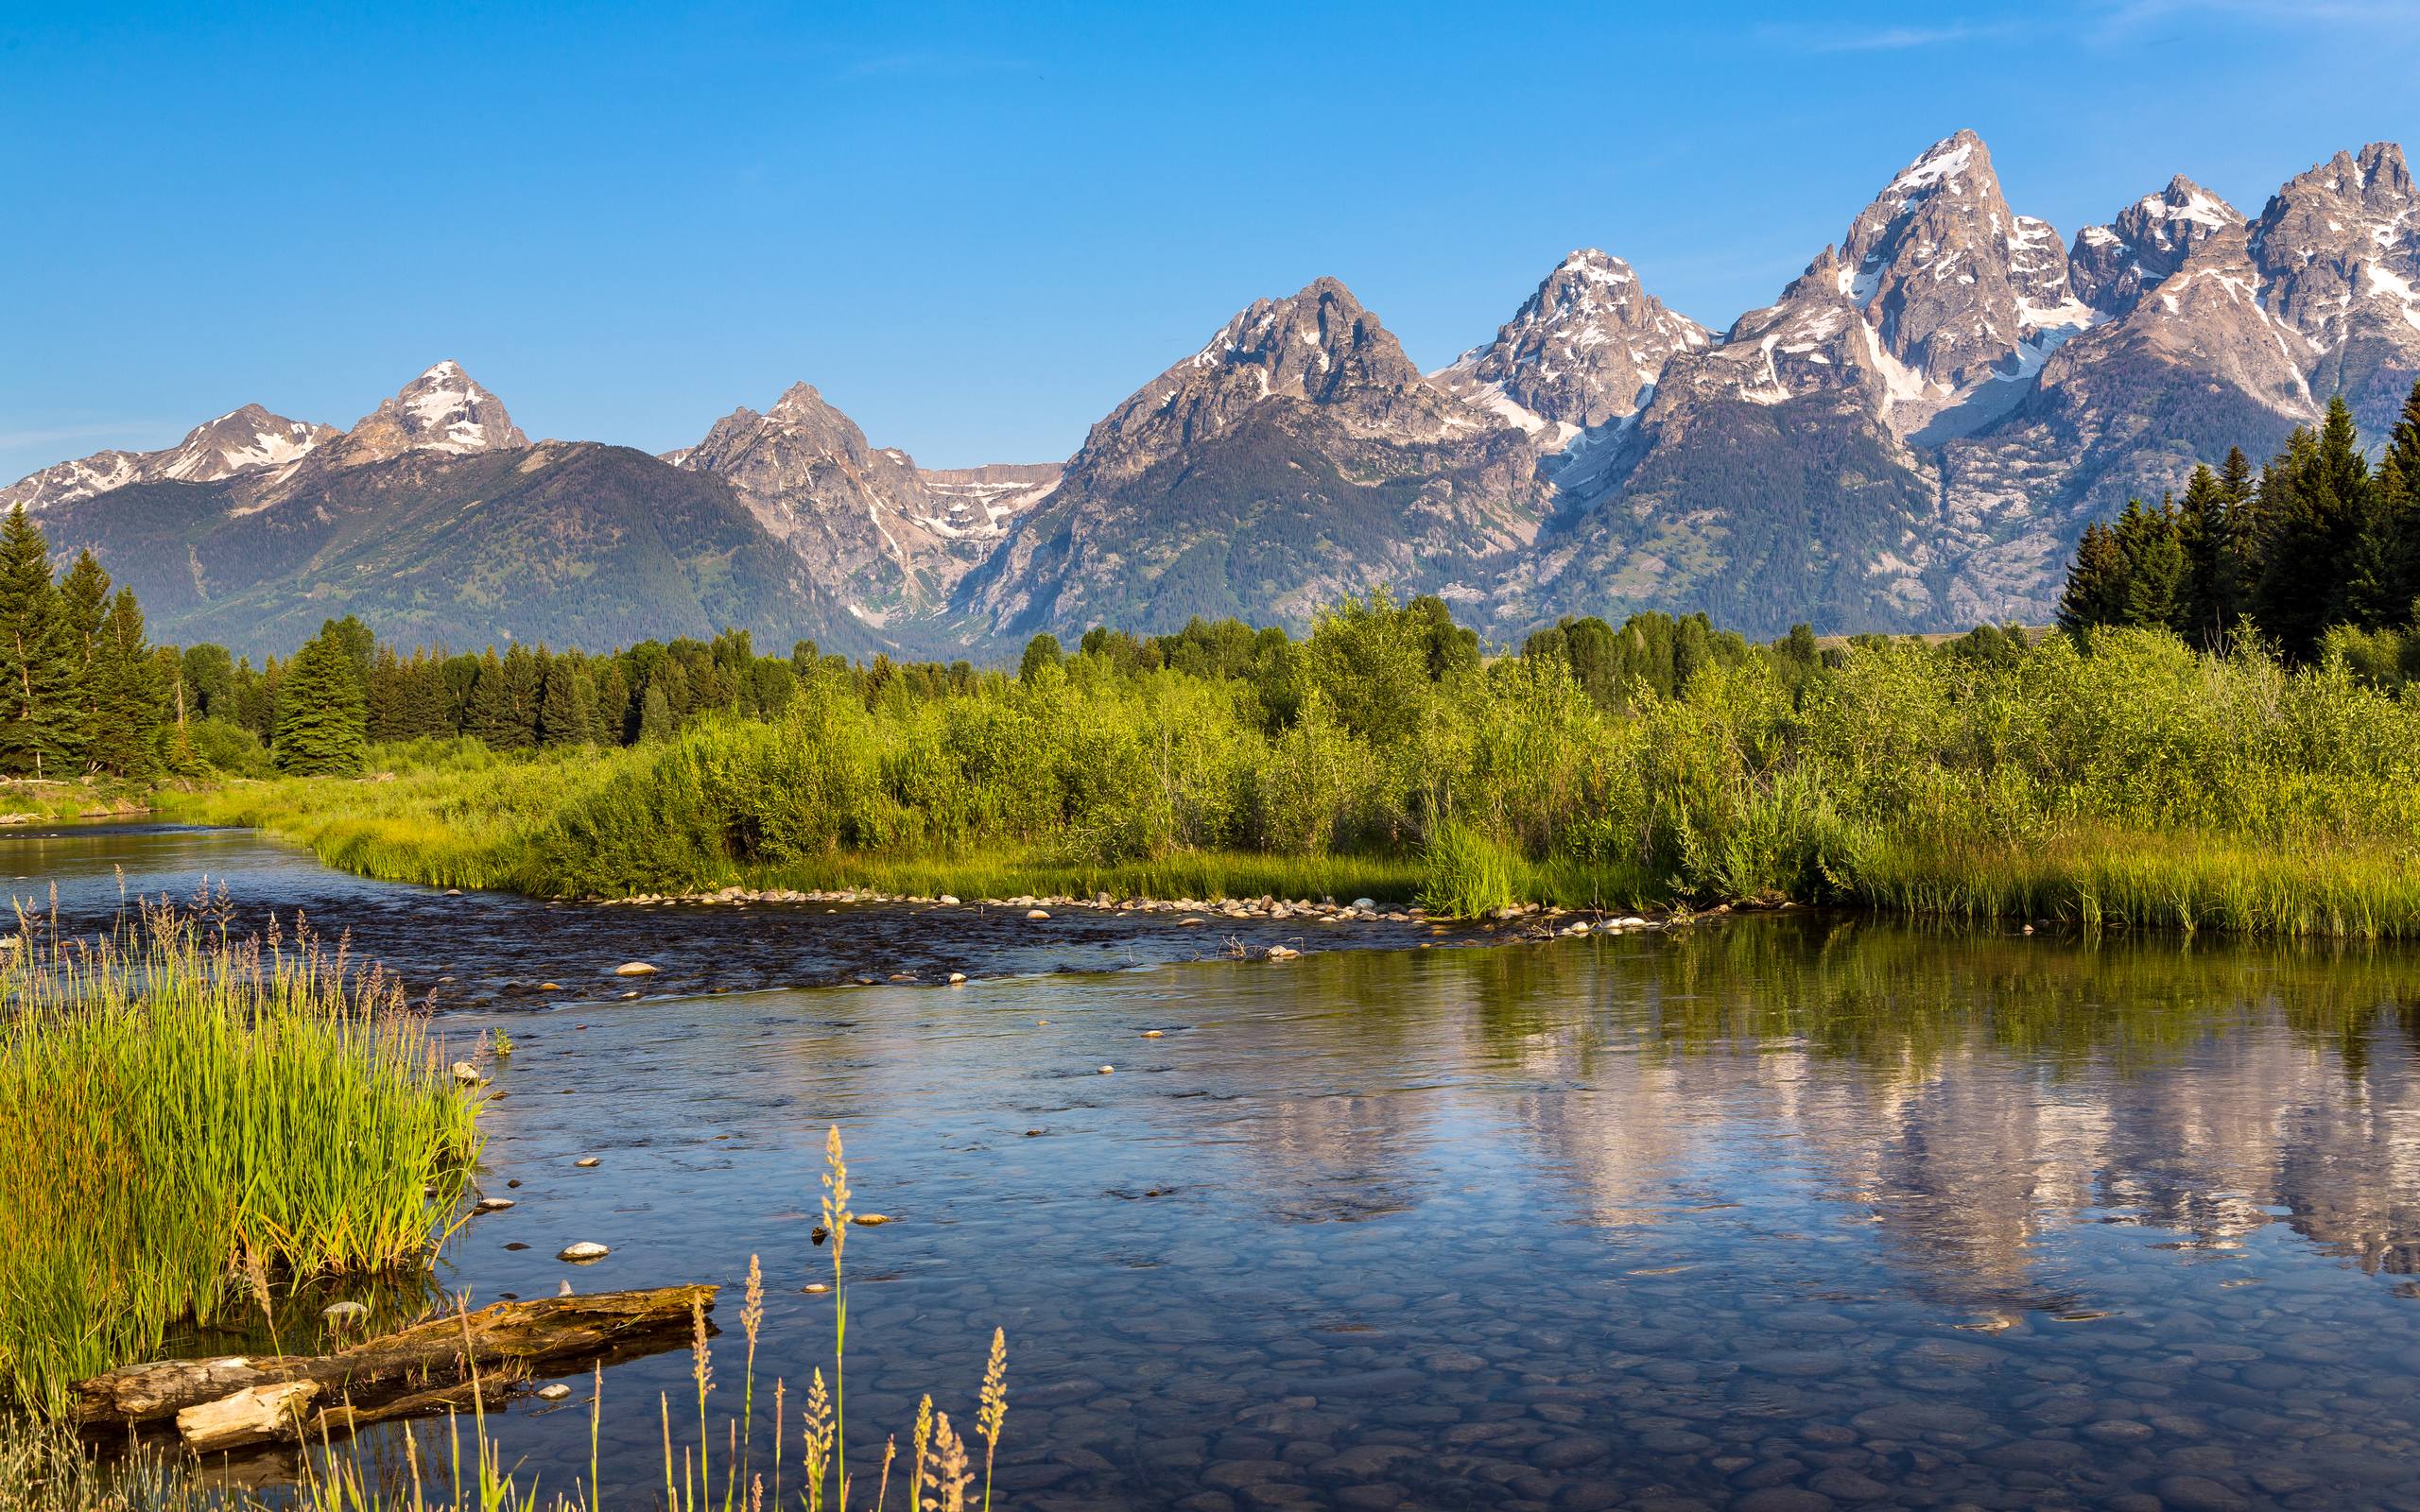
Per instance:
x=1785, y=1213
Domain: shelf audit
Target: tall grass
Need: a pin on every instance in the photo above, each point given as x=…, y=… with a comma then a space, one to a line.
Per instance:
x=2128, y=782
x=740, y=1463
x=179, y=1109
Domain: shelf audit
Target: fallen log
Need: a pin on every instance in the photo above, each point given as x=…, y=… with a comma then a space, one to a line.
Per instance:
x=247, y=1417
x=525, y=1337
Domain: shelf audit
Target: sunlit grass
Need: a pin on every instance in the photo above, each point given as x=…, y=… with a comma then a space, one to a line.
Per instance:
x=739, y=1462
x=177, y=1108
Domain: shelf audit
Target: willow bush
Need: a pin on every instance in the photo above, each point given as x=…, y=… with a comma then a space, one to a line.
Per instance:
x=2120, y=777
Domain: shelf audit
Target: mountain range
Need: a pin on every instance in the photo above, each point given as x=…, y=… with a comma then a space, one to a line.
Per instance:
x=1909, y=438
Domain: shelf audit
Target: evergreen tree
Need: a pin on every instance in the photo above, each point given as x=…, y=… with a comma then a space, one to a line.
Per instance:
x=391, y=689
x=2207, y=536
x=36, y=675
x=656, y=723
x=2398, y=485
x=322, y=718
x=2096, y=593
x=491, y=719
x=2155, y=566
x=125, y=692
x=83, y=603
x=2315, y=500
x=525, y=680
x=567, y=710
x=611, y=724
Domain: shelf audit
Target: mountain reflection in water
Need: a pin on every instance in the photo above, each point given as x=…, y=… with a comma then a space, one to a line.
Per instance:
x=1780, y=1213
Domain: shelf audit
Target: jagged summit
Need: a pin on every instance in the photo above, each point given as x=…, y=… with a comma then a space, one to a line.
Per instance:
x=242, y=440
x=872, y=529
x=1585, y=348
x=2112, y=267
x=442, y=410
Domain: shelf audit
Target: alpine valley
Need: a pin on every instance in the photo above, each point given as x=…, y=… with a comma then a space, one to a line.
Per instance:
x=1912, y=437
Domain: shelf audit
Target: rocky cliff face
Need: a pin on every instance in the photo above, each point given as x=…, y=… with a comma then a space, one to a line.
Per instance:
x=1297, y=457
x=1585, y=350
x=249, y=439
x=2112, y=266
x=442, y=410
x=876, y=532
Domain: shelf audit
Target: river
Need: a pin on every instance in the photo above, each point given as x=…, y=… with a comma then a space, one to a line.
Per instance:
x=1776, y=1213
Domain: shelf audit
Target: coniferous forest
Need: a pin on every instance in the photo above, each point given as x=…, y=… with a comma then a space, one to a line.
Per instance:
x=2320, y=550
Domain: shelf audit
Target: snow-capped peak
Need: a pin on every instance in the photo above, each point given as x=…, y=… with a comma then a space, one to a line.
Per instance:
x=442, y=410
x=1944, y=162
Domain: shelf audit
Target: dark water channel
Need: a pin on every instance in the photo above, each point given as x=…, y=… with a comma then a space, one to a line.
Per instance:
x=1782, y=1213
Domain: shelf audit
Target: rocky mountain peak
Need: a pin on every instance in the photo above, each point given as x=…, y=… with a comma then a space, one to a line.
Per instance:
x=2112, y=267
x=242, y=440
x=1319, y=347
x=1953, y=281
x=1585, y=348
x=2338, y=250
x=444, y=410
x=1312, y=345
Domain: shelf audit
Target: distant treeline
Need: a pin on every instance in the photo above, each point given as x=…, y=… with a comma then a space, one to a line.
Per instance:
x=86, y=694
x=2322, y=550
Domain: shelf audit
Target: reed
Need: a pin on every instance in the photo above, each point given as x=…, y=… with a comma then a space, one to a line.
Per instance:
x=45, y=1469
x=177, y=1107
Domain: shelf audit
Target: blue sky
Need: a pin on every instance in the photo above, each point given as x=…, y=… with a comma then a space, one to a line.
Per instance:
x=975, y=229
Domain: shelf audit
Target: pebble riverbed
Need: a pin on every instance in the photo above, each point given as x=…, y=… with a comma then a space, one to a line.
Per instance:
x=1774, y=1213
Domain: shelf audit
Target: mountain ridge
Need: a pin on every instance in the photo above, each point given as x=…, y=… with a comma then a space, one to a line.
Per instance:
x=1910, y=437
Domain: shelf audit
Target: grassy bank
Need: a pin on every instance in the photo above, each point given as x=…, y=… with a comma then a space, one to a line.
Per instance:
x=2125, y=781
x=24, y=801
x=188, y=1121
x=715, y=1453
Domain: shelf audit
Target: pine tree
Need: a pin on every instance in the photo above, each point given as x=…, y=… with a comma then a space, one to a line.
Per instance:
x=2096, y=593
x=611, y=725
x=2207, y=536
x=2155, y=567
x=2314, y=499
x=525, y=678
x=391, y=714
x=125, y=692
x=656, y=723
x=2398, y=485
x=37, y=679
x=83, y=603
x=489, y=719
x=322, y=724
x=567, y=710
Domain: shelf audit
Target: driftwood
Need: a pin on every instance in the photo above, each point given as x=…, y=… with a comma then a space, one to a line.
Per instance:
x=248, y=1417
x=375, y=1378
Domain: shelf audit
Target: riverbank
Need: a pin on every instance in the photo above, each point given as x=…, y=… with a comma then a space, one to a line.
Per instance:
x=24, y=802
x=2129, y=782
x=179, y=1107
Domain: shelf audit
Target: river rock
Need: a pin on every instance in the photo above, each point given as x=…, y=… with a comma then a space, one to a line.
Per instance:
x=634, y=968
x=585, y=1251
x=492, y=1205
x=586, y=1162
x=1037, y=914
x=958, y=978
x=466, y=1074
x=948, y=900
x=553, y=1391
x=344, y=1313
x=2199, y=1493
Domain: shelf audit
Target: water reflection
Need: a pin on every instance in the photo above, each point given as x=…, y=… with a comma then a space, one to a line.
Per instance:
x=1784, y=1213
